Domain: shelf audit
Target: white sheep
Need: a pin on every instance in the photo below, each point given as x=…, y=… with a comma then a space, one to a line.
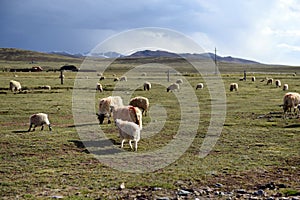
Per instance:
x=233, y=86
x=270, y=81
x=99, y=87
x=106, y=105
x=129, y=131
x=253, y=78
x=179, y=81
x=290, y=100
x=199, y=86
x=285, y=87
x=15, y=86
x=116, y=79
x=140, y=102
x=277, y=83
x=39, y=119
x=123, y=78
x=173, y=87
x=128, y=113
x=147, y=85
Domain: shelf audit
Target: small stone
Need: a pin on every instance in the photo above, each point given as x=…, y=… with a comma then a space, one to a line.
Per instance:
x=259, y=193
x=241, y=191
x=183, y=192
x=218, y=185
x=57, y=197
x=162, y=198
x=122, y=186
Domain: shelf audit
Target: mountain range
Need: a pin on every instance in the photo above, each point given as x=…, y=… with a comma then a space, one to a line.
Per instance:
x=159, y=53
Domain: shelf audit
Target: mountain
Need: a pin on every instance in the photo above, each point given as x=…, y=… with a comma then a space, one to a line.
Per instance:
x=109, y=54
x=202, y=56
x=63, y=53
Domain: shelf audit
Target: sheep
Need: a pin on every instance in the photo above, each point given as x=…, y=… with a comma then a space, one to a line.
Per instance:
x=278, y=83
x=99, y=87
x=105, y=107
x=285, y=87
x=129, y=131
x=144, y=74
x=270, y=81
x=102, y=78
x=123, y=78
x=39, y=119
x=179, y=81
x=128, y=113
x=140, y=102
x=15, y=86
x=253, y=78
x=290, y=100
x=199, y=86
x=147, y=86
x=233, y=86
x=173, y=87
x=116, y=79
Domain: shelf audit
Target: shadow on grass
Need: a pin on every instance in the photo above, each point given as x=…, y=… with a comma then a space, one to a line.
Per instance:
x=20, y=131
x=106, y=146
x=292, y=126
x=81, y=125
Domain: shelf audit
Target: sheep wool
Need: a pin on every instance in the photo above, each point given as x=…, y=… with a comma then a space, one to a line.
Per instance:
x=128, y=131
x=39, y=119
x=140, y=102
x=14, y=86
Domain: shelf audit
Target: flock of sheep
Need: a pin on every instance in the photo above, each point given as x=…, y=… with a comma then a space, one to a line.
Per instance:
x=128, y=119
x=291, y=100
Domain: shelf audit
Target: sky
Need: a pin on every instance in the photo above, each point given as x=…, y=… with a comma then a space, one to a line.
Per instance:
x=266, y=31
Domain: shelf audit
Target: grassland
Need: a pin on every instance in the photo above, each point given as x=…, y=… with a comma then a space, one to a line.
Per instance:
x=257, y=146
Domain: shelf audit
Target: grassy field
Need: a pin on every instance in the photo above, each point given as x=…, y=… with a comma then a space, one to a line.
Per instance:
x=257, y=146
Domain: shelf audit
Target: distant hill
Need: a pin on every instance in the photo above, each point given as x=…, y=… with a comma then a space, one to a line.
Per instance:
x=203, y=56
x=13, y=54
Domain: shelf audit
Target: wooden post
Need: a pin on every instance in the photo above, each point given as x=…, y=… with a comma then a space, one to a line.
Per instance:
x=62, y=77
x=245, y=75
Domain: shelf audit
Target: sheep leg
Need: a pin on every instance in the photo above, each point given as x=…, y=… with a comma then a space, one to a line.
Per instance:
x=34, y=128
x=42, y=127
x=130, y=144
x=122, y=143
x=135, y=145
x=30, y=127
x=50, y=128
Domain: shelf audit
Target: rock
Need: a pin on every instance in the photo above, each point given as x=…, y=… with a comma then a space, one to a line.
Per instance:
x=259, y=193
x=122, y=186
x=162, y=198
x=241, y=191
x=218, y=185
x=183, y=193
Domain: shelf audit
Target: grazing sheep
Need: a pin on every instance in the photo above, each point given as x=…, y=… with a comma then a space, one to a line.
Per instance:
x=140, y=102
x=123, y=78
x=199, y=86
x=15, y=86
x=290, y=100
x=233, y=86
x=253, y=78
x=128, y=113
x=116, y=79
x=99, y=87
x=173, y=87
x=129, y=131
x=285, y=87
x=270, y=81
x=102, y=78
x=106, y=105
x=147, y=85
x=179, y=81
x=39, y=119
x=278, y=83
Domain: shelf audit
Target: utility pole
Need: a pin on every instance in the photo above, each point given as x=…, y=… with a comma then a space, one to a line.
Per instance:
x=215, y=60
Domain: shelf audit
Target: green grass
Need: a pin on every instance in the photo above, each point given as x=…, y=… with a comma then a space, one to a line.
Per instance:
x=255, y=147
